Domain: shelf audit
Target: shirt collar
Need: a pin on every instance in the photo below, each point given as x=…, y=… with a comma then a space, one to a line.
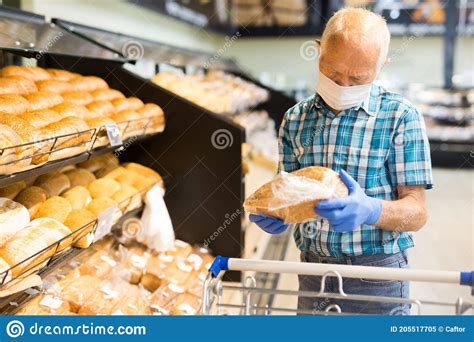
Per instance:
x=370, y=104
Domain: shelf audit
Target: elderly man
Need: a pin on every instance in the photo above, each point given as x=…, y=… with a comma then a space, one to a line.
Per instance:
x=376, y=140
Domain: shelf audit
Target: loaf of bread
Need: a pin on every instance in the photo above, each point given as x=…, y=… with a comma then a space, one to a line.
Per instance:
x=103, y=301
x=99, y=265
x=78, y=196
x=81, y=222
x=134, y=302
x=52, y=231
x=43, y=305
x=53, y=183
x=88, y=83
x=185, y=304
x=107, y=94
x=29, y=72
x=13, y=218
x=78, y=291
x=31, y=198
x=135, y=260
x=164, y=296
x=80, y=98
x=14, y=104
x=12, y=190
x=129, y=103
x=43, y=100
x=55, y=207
x=54, y=86
x=62, y=75
x=292, y=197
x=79, y=176
x=41, y=118
x=17, y=85
x=103, y=187
x=100, y=109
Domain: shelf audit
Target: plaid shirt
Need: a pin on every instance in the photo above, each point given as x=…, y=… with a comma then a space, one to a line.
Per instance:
x=382, y=144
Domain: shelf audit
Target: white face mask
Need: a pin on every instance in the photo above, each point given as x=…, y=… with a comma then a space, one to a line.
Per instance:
x=341, y=98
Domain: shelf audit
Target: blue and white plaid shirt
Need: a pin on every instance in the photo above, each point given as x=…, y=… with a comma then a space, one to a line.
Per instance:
x=382, y=144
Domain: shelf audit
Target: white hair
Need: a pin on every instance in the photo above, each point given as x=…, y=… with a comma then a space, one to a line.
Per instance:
x=360, y=26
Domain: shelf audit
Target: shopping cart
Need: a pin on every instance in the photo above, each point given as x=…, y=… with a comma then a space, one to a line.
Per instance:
x=215, y=287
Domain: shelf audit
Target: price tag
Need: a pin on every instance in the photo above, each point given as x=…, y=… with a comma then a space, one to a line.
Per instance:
x=105, y=221
x=113, y=133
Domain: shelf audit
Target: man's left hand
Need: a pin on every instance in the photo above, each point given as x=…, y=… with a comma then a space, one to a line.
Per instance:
x=348, y=213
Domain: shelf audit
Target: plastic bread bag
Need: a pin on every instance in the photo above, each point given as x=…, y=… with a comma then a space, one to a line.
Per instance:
x=292, y=197
x=157, y=231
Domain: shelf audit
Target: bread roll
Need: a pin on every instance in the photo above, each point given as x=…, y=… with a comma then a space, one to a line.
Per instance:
x=88, y=83
x=13, y=104
x=105, y=171
x=13, y=218
x=100, y=204
x=103, y=187
x=107, y=94
x=126, y=115
x=55, y=207
x=11, y=190
x=81, y=221
x=80, y=98
x=70, y=109
x=41, y=118
x=78, y=196
x=99, y=162
x=130, y=103
x=43, y=100
x=62, y=75
x=31, y=198
x=150, y=110
x=127, y=198
x=128, y=177
x=16, y=85
x=101, y=108
x=54, y=86
x=145, y=171
x=29, y=72
x=54, y=185
x=80, y=176
x=289, y=199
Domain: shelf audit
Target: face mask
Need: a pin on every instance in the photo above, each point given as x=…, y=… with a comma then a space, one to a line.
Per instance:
x=341, y=98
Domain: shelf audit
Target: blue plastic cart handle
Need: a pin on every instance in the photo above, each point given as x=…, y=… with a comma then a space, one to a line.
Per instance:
x=219, y=264
x=467, y=278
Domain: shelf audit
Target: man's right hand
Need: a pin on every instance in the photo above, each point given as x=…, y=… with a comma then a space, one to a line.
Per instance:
x=269, y=224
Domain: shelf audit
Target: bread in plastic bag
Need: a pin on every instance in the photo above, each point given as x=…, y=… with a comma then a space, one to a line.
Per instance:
x=292, y=197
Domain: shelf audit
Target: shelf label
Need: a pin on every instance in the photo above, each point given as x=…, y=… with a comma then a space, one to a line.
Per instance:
x=113, y=133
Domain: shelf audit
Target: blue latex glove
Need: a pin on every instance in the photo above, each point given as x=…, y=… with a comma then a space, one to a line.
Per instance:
x=346, y=214
x=269, y=224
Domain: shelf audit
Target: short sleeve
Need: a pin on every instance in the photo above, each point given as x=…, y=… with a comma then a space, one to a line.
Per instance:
x=409, y=158
x=287, y=158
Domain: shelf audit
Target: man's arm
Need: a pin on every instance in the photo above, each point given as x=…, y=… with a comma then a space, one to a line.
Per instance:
x=408, y=213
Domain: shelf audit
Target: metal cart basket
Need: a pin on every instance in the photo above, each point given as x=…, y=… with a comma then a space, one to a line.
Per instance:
x=214, y=287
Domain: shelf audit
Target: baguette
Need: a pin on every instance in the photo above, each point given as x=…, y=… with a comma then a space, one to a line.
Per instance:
x=55, y=207
x=17, y=85
x=130, y=103
x=88, y=83
x=29, y=72
x=43, y=100
x=13, y=218
x=107, y=94
x=54, y=86
x=31, y=198
x=80, y=176
x=13, y=104
x=78, y=196
x=80, y=98
x=103, y=187
x=62, y=75
x=54, y=184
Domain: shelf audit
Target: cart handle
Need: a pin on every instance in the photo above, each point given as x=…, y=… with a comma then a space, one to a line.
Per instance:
x=351, y=271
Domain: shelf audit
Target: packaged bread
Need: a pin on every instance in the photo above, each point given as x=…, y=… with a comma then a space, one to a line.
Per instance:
x=88, y=83
x=77, y=291
x=145, y=171
x=292, y=197
x=166, y=294
x=32, y=73
x=181, y=250
x=13, y=218
x=31, y=198
x=99, y=265
x=135, y=259
x=103, y=187
x=80, y=176
x=81, y=222
x=107, y=94
x=17, y=85
x=55, y=207
x=45, y=304
x=129, y=103
x=66, y=109
x=127, y=198
x=99, y=162
x=43, y=100
x=41, y=118
x=62, y=75
x=154, y=274
x=103, y=301
x=134, y=302
x=12, y=190
x=53, y=183
x=179, y=272
x=185, y=304
x=78, y=196
x=100, y=109
x=79, y=98
x=13, y=104
x=54, y=86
